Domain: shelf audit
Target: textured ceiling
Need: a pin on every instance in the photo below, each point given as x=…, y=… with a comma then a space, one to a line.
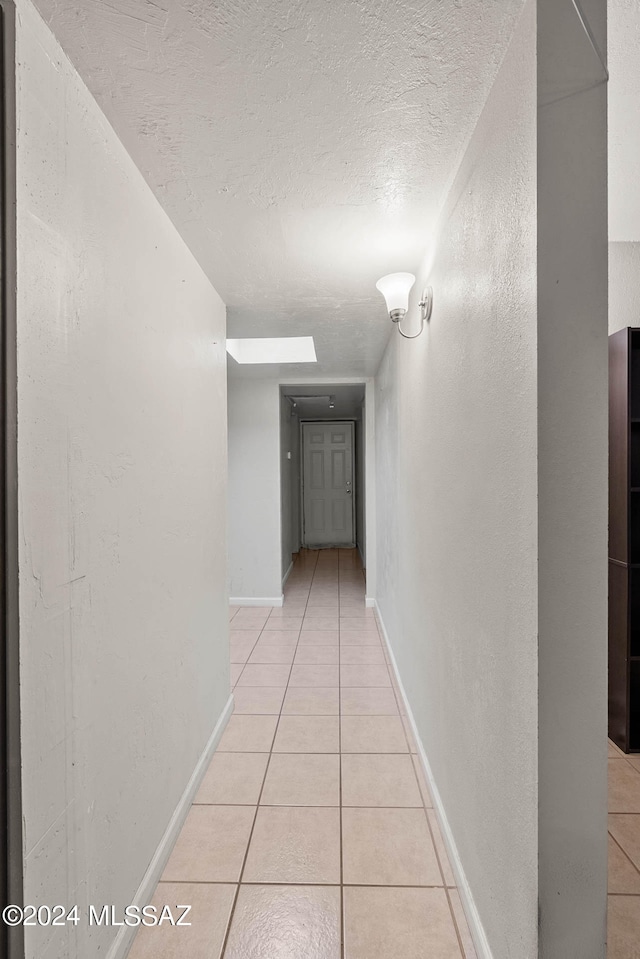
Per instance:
x=302, y=148
x=624, y=119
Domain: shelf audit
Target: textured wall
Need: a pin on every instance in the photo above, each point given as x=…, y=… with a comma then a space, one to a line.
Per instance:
x=623, y=44
x=456, y=444
x=255, y=552
x=122, y=471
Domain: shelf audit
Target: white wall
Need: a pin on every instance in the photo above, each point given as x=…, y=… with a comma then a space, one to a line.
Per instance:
x=456, y=439
x=572, y=483
x=122, y=475
x=624, y=285
x=623, y=43
x=492, y=519
x=255, y=552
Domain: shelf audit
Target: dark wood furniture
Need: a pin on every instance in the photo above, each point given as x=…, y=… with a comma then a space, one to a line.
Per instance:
x=624, y=539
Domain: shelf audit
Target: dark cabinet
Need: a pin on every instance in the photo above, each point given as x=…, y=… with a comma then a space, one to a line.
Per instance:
x=624, y=539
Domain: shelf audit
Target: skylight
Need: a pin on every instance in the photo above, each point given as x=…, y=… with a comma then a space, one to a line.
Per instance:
x=275, y=349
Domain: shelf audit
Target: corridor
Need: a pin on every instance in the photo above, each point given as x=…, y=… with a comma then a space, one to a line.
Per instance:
x=312, y=834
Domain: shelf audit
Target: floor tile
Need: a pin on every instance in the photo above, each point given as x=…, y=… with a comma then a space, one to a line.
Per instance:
x=295, y=844
x=308, y=734
x=362, y=655
x=624, y=878
x=302, y=779
x=203, y=939
x=408, y=732
x=626, y=831
x=359, y=637
x=623, y=922
x=251, y=617
x=285, y=922
x=468, y=949
x=240, y=649
x=364, y=675
x=316, y=655
x=233, y=779
x=614, y=751
x=319, y=622
x=368, y=701
x=447, y=871
x=422, y=782
x=379, y=780
x=391, y=847
x=248, y=734
x=319, y=637
x=624, y=787
x=386, y=923
x=211, y=846
x=266, y=653
x=314, y=676
x=245, y=634
x=288, y=624
x=373, y=734
x=264, y=675
x=311, y=701
x=280, y=637
x=634, y=759
x=258, y=699
x=235, y=672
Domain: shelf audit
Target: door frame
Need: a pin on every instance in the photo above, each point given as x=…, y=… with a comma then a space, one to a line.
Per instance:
x=11, y=869
x=352, y=422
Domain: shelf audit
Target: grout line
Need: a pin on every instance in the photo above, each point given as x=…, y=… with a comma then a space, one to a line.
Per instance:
x=255, y=817
x=624, y=852
x=325, y=885
x=342, y=925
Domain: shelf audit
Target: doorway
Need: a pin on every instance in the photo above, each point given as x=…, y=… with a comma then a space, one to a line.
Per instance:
x=332, y=404
x=328, y=485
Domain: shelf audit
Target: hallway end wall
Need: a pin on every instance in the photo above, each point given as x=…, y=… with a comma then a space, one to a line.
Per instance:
x=456, y=438
x=122, y=482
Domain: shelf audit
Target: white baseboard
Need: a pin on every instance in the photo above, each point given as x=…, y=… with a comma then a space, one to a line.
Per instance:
x=370, y=602
x=287, y=574
x=122, y=943
x=476, y=928
x=256, y=600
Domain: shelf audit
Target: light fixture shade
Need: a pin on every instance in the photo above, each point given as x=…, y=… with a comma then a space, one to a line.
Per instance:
x=395, y=288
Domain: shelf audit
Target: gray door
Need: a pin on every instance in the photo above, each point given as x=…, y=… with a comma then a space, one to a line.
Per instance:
x=327, y=484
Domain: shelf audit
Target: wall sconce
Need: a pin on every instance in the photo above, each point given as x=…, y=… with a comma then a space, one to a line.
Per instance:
x=395, y=288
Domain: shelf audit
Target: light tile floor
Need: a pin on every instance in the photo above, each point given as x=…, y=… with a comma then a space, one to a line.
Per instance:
x=624, y=856
x=312, y=835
